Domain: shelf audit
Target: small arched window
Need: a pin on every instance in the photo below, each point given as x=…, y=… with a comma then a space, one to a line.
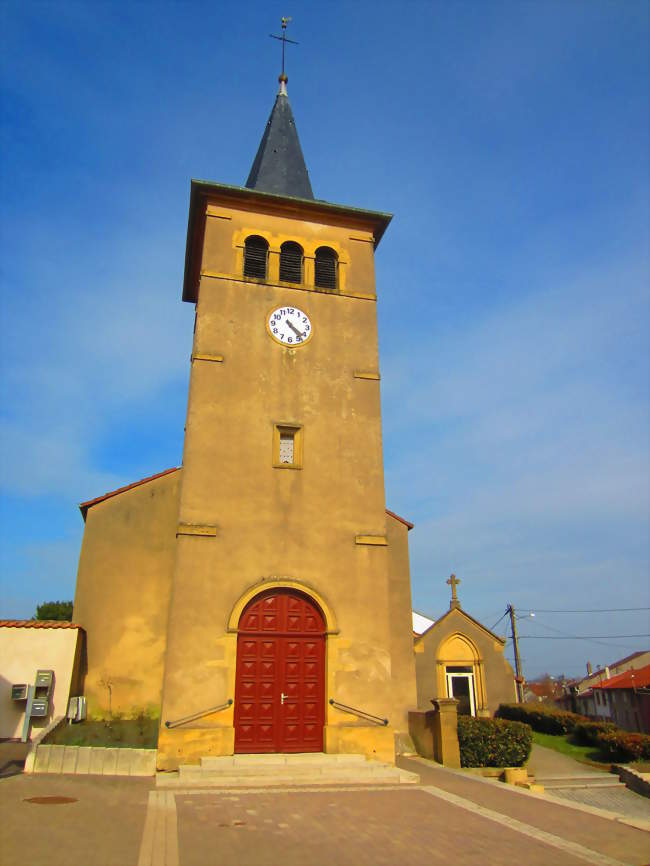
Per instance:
x=291, y=262
x=256, y=250
x=326, y=268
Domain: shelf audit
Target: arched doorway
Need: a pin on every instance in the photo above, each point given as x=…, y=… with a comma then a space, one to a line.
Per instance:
x=460, y=676
x=280, y=674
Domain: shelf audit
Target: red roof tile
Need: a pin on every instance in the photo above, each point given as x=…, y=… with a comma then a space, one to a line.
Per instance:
x=36, y=623
x=630, y=679
x=406, y=523
x=84, y=506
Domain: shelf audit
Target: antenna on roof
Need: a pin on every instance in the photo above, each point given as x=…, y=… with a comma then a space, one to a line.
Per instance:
x=283, y=39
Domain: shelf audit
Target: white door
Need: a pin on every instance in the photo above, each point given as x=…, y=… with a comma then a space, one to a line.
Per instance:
x=461, y=686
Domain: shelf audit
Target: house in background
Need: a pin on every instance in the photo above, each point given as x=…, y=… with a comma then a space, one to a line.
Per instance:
x=544, y=690
x=625, y=700
x=458, y=657
x=586, y=695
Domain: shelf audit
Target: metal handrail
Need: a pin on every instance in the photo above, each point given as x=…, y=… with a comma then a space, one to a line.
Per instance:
x=355, y=712
x=199, y=715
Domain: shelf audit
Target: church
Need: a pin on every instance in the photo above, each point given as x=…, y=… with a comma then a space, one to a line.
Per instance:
x=258, y=597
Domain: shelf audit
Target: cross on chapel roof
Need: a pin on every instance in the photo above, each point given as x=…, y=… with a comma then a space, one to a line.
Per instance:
x=453, y=583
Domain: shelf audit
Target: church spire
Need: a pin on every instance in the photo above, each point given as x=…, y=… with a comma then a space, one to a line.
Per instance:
x=279, y=166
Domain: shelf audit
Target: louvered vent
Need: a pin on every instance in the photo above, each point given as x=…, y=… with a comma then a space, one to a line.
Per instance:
x=291, y=262
x=326, y=268
x=255, y=256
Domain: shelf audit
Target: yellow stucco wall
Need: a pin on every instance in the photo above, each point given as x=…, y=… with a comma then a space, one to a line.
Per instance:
x=122, y=595
x=23, y=651
x=274, y=526
x=404, y=692
x=456, y=639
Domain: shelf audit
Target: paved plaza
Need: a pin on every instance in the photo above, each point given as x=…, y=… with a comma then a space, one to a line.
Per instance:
x=449, y=817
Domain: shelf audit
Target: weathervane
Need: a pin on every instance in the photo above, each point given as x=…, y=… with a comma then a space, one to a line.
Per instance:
x=283, y=39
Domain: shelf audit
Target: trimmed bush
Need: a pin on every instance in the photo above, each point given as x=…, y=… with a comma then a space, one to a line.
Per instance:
x=493, y=742
x=546, y=720
x=619, y=745
x=587, y=733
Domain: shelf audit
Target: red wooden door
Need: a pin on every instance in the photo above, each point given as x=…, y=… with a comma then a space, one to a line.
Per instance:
x=280, y=677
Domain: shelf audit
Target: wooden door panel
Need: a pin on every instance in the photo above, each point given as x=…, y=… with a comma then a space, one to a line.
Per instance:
x=280, y=652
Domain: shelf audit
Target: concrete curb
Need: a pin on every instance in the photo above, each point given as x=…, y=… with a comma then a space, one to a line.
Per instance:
x=90, y=760
x=38, y=739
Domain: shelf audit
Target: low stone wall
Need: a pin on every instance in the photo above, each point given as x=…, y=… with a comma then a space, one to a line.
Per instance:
x=635, y=781
x=89, y=760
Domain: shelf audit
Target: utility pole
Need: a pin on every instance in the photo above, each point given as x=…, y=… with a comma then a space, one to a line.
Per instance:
x=519, y=680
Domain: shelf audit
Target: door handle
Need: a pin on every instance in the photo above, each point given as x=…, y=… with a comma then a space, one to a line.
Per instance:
x=283, y=697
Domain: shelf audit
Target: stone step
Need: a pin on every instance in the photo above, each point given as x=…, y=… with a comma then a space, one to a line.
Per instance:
x=566, y=777
x=192, y=773
x=308, y=759
x=276, y=769
x=593, y=780
x=222, y=780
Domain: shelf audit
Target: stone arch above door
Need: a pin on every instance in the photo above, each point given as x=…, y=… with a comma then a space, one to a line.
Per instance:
x=331, y=625
x=457, y=653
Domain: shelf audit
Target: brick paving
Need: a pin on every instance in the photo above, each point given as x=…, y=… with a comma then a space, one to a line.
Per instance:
x=609, y=837
x=619, y=800
x=346, y=828
x=321, y=827
x=102, y=828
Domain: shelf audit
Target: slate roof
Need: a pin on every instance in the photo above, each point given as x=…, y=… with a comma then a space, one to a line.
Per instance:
x=279, y=166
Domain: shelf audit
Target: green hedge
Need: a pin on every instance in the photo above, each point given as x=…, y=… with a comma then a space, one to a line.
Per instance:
x=546, y=720
x=619, y=745
x=587, y=733
x=493, y=742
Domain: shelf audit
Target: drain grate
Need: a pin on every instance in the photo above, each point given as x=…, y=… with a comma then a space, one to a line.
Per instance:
x=50, y=801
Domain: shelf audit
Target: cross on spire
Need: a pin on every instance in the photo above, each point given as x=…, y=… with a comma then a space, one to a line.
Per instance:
x=283, y=39
x=453, y=583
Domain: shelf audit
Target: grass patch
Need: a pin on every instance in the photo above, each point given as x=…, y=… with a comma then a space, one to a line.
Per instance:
x=140, y=733
x=565, y=744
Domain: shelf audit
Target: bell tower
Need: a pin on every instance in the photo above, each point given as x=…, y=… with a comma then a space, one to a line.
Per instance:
x=290, y=610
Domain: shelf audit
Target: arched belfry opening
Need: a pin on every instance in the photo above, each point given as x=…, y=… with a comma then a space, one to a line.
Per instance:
x=280, y=674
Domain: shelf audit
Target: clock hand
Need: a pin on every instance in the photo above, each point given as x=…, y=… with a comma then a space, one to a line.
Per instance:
x=295, y=330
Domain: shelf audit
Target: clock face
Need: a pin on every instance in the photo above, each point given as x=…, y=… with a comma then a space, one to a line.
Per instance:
x=289, y=326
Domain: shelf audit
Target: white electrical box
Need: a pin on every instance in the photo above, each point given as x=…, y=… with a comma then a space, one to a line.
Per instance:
x=77, y=709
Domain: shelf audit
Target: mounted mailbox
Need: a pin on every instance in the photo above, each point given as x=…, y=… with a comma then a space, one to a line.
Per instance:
x=19, y=692
x=40, y=707
x=44, y=680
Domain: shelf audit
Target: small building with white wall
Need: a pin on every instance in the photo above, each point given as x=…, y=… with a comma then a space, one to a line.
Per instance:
x=27, y=646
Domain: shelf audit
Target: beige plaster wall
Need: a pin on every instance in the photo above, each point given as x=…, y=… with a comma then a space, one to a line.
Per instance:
x=122, y=595
x=23, y=651
x=494, y=676
x=281, y=524
x=404, y=691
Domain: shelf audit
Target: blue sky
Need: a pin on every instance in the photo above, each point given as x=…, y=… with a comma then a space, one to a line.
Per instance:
x=509, y=139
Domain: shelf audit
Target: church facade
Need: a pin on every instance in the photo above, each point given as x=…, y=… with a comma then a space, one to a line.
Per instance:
x=260, y=594
x=257, y=598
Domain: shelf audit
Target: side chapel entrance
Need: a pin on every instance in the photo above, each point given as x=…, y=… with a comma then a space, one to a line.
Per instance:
x=280, y=674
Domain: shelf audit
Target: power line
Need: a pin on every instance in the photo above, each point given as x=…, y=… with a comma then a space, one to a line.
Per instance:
x=578, y=636
x=505, y=614
x=594, y=610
